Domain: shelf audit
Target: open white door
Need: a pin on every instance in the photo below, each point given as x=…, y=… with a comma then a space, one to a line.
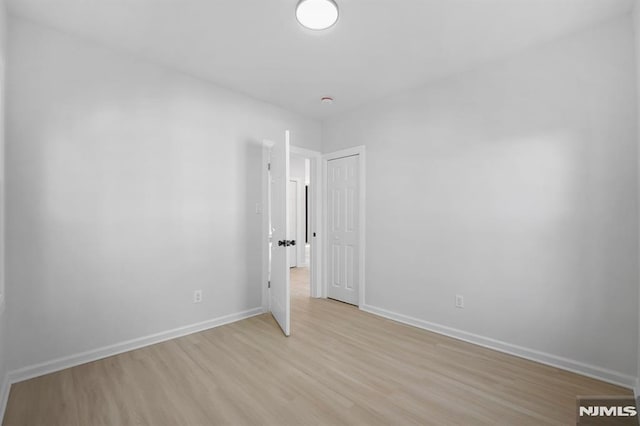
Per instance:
x=279, y=240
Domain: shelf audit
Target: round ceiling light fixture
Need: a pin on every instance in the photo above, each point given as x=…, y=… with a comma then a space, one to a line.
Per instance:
x=327, y=100
x=317, y=14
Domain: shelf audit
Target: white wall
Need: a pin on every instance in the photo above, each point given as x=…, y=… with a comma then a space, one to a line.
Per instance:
x=514, y=185
x=129, y=187
x=636, y=28
x=297, y=167
x=3, y=340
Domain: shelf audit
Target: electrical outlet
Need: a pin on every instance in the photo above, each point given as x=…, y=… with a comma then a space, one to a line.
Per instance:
x=197, y=296
x=459, y=301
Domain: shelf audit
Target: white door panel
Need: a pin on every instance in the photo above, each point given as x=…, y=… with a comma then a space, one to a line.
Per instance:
x=279, y=292
x=343, y=228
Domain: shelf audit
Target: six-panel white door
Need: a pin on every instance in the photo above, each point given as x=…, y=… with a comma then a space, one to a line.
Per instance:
x=343, y=195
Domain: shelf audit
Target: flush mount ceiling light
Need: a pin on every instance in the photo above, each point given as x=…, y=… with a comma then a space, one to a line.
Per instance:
x=317, y=14
x=327, y=100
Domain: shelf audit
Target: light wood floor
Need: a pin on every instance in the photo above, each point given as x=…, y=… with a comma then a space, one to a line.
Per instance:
x=340, y=366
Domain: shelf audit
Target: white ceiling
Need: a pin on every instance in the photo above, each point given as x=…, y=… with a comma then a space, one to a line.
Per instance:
x=377, y=47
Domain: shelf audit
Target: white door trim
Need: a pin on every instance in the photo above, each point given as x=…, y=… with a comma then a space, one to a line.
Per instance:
x=299, y=233
x=360, y=152
x=315, y=218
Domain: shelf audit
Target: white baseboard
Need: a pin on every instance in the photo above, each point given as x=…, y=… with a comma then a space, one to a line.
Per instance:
x=5, y=385
x=578, y=367
x=58, y=364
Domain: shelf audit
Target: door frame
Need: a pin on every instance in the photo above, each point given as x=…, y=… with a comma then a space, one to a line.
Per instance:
x=317, y=222
x=361, y=153
x=299, y=222
x=316, y=266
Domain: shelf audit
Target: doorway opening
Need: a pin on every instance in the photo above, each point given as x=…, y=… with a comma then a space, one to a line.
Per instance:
x=295, y=251
x=290, y=244
x=298, y=205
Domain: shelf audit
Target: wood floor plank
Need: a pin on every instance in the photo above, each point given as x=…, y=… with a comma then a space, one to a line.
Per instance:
x=340, y=366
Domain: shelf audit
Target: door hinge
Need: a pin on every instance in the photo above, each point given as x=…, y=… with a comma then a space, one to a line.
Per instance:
x=268, y=284
x=268, y=166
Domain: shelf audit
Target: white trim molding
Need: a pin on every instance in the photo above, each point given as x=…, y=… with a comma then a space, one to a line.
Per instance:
x=360, y=151
x=299, y=233
x=578, y=367
x=5, y=386
x=58, y=364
